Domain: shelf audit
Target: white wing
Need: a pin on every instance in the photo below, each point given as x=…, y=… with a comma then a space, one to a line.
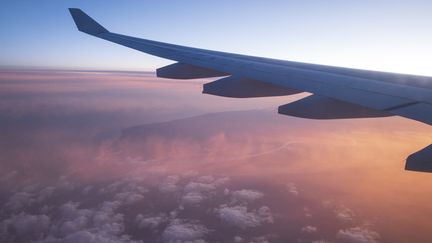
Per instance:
x=337, y=92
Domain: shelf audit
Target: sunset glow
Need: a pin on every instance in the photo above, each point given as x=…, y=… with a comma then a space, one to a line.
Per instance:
x=151, y=129
x=94, y=148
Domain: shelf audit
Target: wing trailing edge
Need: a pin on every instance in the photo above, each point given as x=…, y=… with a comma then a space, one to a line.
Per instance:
x=187, y=71
x=421, y=112
x=239, y=87
x=319, y=107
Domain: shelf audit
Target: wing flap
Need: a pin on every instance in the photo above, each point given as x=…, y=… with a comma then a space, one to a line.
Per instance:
x=318, y=107
x=239, y=87
x=187, y=71
x=420, y=161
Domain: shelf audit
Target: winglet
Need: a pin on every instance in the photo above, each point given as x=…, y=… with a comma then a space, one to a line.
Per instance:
x=86, y=24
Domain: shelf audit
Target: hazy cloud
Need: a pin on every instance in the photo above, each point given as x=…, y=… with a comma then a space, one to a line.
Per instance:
x=180, y=231
x=309, y=229
x=265, y=214
x=292, y=188
x=307, y=212
x=151, y=221
x=169, y=184
x=246, y=195
x=19, y=200
x=344, y=214
x=358, y=235
x=25, y=227
x=260, y=239
x=239, y=216
x=199, y=187
x=238, y=239
x=129, y=197
x=193, y=198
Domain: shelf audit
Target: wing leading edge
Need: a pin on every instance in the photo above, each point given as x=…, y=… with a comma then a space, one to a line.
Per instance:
x=337, y=92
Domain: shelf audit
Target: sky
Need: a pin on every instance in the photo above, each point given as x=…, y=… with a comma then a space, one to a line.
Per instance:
x=379, y=35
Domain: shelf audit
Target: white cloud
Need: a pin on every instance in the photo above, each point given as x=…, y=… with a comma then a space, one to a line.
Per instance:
x=26, y=226
x=169, y=184
x=205, y=179
x=19, y=201
x=112, y=188
x=179, y=231
x=265, y=214
x=135, y=160
x=87, y=237
x=152, y=222
x=292, y=188
x=73, y=219
x=87, y=189
x=135, y=185
x=344, y=214
x=9, y=176
x=193, y=198
x=358, y=235
x=307, y=212
x=261, y=239
x=226, y=192
x=101, y=224
x=98, y=217
x=309, y=229
x=45, y=193
x=70, y=210
x=65, y=184
x=238, y=239
x=107, y=220
x=246, y=195
x=239, y=216
x=221, y=181
x=128, y=198
x=129, y=187
x=199, y=187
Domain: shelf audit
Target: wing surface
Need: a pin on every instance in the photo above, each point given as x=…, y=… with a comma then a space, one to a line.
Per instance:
x=338, y=92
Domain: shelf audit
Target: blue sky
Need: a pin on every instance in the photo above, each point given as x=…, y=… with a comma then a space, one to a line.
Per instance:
x=380, y=35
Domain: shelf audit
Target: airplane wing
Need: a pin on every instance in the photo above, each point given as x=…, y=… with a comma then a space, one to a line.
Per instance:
x=337, y=93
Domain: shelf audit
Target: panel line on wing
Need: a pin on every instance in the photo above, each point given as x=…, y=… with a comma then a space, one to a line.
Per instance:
x=401, y=106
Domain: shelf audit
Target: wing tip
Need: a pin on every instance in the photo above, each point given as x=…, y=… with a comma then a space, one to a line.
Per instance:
x=85, y=23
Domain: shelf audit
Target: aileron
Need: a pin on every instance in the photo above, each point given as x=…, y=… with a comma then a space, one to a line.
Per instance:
x=421, y=112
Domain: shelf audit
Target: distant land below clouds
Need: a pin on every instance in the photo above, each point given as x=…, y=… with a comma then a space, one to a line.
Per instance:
x=103, y=156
